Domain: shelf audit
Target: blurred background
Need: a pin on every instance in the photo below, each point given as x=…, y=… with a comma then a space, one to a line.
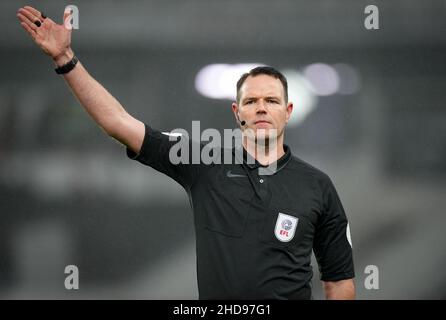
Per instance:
x=369, y=111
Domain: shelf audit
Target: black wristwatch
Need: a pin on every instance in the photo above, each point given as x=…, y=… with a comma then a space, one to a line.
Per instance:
x=68, y=66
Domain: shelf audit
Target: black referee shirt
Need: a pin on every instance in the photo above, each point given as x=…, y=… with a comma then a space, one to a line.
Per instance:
x=255, y=233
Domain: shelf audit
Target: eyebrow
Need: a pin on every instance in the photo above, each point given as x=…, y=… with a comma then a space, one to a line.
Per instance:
x=256, y=98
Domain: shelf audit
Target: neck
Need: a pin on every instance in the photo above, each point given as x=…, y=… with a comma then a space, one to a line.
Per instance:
x=265, y=152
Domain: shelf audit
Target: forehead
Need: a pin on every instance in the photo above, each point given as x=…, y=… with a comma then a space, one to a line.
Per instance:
x=260, y=86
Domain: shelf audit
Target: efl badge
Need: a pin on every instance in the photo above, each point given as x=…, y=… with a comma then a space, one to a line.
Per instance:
x=285, y=227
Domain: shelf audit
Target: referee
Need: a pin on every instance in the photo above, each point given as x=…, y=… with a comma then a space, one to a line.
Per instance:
x=255, y=232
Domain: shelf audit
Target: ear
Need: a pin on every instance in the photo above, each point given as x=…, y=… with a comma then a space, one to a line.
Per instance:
x=235, y=110
x=289, y=110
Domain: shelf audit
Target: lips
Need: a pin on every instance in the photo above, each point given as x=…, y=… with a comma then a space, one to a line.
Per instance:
x=262, y=122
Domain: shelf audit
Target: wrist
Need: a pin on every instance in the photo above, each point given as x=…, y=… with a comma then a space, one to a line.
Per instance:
x=63, y=58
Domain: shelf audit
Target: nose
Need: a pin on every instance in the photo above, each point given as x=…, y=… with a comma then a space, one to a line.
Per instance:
x=261, y=106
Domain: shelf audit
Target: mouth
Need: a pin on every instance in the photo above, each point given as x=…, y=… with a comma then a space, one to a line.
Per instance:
x=262, y=122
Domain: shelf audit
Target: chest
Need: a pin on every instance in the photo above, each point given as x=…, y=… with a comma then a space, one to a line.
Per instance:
x=280, y=209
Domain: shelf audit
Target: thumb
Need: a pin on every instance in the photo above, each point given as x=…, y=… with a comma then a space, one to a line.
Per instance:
x=67, y=15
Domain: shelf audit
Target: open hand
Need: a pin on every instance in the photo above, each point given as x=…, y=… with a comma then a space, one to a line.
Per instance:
x=54, y=39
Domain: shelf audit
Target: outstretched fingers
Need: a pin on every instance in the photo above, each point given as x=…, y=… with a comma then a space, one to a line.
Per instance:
x=26, y=21
x=39, y=15
x=29, y=18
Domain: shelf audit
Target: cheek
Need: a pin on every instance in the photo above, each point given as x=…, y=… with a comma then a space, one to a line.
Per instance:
x=247, y=114
x=280, y=118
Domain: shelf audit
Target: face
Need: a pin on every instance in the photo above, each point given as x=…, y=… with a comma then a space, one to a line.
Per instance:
x=262, y=105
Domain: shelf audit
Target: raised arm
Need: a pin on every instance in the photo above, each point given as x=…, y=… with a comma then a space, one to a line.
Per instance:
x=55, y=40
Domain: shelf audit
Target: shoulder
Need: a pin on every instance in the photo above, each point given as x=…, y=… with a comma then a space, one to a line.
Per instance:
x=305, y=169
x=312, y=176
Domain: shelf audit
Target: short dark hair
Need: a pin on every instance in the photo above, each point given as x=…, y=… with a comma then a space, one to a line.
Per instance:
x=270, y=71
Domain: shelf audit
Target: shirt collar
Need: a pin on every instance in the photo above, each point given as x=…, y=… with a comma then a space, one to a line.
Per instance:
x=252, y=163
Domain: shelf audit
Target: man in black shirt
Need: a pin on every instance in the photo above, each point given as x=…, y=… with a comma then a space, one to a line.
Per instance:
x=258, y=216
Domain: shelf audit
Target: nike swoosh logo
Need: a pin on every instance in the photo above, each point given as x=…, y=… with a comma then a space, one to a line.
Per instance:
x=229, y=174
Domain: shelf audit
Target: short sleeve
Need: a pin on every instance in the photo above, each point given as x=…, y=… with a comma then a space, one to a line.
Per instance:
x=156, y=153
x=332, y=244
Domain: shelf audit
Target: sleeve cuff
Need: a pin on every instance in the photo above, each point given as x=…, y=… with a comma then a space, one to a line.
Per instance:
x=136, y=156
x=337, y=276
x=131, y=154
